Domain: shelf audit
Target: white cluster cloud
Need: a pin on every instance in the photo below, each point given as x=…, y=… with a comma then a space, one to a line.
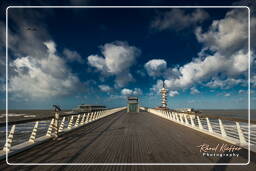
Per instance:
x=202, y=69
x=194, y=90
x=227, y=35
x=129, y=92
x=173, y=93
x=72, y=56
x=227, y=94
x=105, y=88
x=117, y=58
x=42, y=77
x=223, y=59
x=177, y=19
x=225, y=84
x=155, y=67
x=36, y=68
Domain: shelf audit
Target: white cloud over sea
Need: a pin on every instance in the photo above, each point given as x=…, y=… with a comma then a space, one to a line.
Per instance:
x=178, y=19
x=36, y=68
x=130, y=92
x=155, y=67
x=116, y=60
x=223, y=60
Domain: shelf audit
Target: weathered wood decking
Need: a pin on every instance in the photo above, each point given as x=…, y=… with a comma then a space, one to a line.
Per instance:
x=127, y=138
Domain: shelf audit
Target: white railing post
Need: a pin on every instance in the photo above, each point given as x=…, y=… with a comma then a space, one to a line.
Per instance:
x=62, y=124
x=173, y=116
x=177, y=118
x=169, y=115
x=192, y=121
x=8, y=144
x=186, y=120
x=49, y=131
x=82, y=120
x=199, y=122
x=87, y=117
x=209, y=124
x=33, y=133
x=222, y=129
x=77, y=120
x=101, y=114
x=97, y=115
x=94, y=116
x=181, y=120
x=90, y=117
x=70, y=122
x=240, y=134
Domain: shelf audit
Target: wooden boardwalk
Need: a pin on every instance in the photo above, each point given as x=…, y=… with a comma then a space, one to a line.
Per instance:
x=127, y=138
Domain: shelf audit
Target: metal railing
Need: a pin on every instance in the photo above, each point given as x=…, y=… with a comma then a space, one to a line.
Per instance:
x=25, y=135
x=234, y=131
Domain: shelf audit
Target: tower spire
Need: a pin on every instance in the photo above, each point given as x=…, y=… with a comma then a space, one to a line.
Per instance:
x=164, y=92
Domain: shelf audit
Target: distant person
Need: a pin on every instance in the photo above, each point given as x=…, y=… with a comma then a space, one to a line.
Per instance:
x=57, y=111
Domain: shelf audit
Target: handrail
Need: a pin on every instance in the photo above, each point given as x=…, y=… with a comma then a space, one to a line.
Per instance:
x=219, y=117
x=62, y=127
x=232, y=132
x=38, y=119
x=214, y=116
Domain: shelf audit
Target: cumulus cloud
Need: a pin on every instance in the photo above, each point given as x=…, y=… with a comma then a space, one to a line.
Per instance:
x=129, y=92
x=173, y=93
x=117, y=57
x=105, y=88
x=35, y=68
x=226, y=84
x=42, y=77
x=227, y=35
x=155, y=67
x=193, y=90
x=72, y=55
x=227, y=94
x=126, y=91
x=222, y=60
x=178, y=19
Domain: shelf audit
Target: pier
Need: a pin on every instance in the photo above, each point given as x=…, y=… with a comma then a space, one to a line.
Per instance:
x=116, y=136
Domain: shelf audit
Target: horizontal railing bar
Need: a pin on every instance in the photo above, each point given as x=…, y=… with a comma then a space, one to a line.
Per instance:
x=216, y=117
x=37, y=119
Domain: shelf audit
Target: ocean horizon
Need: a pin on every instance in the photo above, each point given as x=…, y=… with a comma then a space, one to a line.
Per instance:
x=18, y=114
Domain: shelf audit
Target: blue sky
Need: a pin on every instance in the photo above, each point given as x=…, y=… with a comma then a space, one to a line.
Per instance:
x=101, y=56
